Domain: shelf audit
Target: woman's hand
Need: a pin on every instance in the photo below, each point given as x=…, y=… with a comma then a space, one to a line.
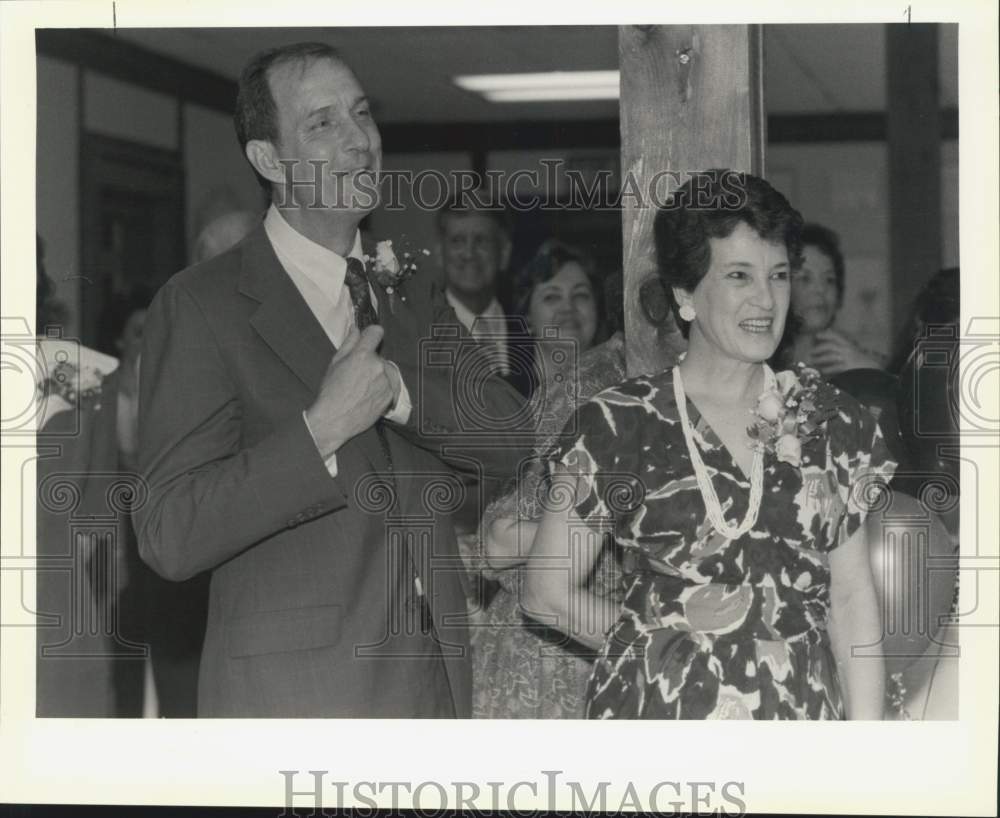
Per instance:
x=833, y=352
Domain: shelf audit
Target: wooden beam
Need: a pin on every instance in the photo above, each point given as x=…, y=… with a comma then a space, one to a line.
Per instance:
x=914, y=136
x=691, y=99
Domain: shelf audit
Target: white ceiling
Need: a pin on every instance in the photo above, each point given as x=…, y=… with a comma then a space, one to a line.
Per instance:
x=408, y=71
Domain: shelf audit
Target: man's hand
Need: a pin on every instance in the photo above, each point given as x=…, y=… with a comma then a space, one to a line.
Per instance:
x=355, y=392
x=833, y=352
x=395, y=381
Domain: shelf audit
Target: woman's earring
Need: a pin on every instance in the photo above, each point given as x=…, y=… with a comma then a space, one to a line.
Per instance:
x=687, y=312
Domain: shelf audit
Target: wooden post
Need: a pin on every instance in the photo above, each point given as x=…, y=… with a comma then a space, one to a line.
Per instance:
x=691, y=99
x=913, y=125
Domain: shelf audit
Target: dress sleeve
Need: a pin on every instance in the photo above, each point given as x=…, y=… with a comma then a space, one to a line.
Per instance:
x=587, y=449
x=864, y=467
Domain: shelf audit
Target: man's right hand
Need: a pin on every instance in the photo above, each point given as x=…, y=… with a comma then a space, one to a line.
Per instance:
x=355, y=392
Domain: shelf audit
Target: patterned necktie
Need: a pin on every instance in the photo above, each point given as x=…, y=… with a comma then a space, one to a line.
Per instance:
x=361, y=297
x=365, y=315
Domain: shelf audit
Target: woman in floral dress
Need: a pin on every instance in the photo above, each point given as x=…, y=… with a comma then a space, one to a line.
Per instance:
x=737, y=496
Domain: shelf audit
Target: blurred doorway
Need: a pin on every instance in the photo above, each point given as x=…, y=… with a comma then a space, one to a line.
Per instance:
x=132, y=208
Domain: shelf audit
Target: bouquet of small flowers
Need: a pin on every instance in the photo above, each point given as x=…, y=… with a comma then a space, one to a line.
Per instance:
x=389, y=271
x=788, y=415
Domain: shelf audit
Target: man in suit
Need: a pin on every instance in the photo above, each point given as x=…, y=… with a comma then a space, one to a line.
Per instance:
x=297, y=451
x=475, y=247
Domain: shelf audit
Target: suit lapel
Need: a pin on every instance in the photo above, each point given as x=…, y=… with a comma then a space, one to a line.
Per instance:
x=285, y=323
x=283, y=319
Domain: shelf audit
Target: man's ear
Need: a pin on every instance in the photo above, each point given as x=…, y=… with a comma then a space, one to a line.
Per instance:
x=262, y=155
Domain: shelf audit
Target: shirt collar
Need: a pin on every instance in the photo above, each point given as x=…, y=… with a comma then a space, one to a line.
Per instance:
x=467, y=317
x=324, y=268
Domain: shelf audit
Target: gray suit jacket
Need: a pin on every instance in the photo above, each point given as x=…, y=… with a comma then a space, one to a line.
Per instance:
x=312, y=610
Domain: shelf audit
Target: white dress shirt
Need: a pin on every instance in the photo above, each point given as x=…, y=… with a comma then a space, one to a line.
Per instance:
x=318, y=274
x=489, y=326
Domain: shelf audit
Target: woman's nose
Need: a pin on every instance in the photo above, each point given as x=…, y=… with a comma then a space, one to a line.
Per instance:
x=764, y=296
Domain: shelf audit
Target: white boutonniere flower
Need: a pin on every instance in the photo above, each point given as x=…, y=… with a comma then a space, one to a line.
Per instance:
x=389, y=271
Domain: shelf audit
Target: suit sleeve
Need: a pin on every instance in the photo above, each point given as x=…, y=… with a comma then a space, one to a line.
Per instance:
x=209, y=496
x=462, y=407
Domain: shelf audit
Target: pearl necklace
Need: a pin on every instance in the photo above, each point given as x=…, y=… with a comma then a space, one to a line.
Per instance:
x=712, y=505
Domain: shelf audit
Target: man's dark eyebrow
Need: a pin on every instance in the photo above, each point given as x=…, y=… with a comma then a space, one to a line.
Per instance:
x=323, y=109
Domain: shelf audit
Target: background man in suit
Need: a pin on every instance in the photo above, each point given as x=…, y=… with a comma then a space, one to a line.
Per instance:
x=475, y=248
x=301, y=459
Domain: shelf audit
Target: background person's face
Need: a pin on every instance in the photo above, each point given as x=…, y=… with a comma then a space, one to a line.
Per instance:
x=324, y=116
x=814, y=290
x=473, y=251
x=565, y=301
x=742, y=301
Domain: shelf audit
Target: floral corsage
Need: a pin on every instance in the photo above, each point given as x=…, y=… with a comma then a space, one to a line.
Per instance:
x=74, y=385
x=70, y=375
x=389, y=271
x=789, y=414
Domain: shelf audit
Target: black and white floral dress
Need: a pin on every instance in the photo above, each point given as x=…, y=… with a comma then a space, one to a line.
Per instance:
x=710, y=627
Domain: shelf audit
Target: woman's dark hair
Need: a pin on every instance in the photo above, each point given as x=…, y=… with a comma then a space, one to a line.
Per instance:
x=256, y=114
x=828, y=243
x=937, y=305
x=551, y=256
x=710, y=205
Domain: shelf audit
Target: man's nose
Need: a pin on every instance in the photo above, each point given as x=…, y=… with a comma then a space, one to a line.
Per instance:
x=356, y=137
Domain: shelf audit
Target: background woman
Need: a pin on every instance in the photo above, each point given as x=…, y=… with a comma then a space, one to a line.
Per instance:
x=558, y=296
x=746, y=564
x=523, y=669
x=817, y=295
